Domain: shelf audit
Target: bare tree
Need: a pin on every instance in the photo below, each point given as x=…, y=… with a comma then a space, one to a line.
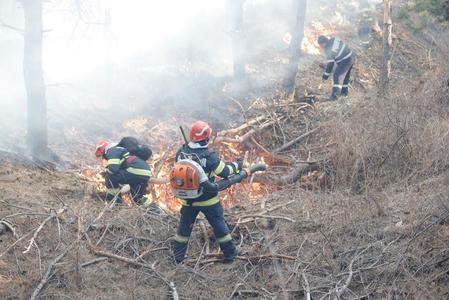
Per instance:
x=387, y=42
x=34, y=80
x=295, y=45
x=236, y=15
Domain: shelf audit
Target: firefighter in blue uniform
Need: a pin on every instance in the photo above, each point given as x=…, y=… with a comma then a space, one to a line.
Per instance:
x=341, y=57
x=208, y=203
x=124, y=168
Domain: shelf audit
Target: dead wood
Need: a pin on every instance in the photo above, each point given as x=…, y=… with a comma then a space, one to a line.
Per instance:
x=48, y=274
x=294, y=141
x=252, y=218
x=242, y=127
x=294, y=176
x=33, y=238
x=245, y=137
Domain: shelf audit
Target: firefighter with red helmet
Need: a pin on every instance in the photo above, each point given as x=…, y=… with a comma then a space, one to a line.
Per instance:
x=208, y=202
x=122, y=167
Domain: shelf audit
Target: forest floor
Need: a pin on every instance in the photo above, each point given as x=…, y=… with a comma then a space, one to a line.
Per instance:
x=370, y=220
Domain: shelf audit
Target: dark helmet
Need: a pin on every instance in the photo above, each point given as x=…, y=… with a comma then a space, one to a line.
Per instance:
x=322, y=40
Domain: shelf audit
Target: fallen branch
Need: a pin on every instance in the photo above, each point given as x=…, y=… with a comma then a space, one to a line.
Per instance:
x=174, y=291
x=48, y=275
x=307, y=287
x=97, y=252
x=242, y=127
x=246, y=258
x=294, y=141
x=263, y=216
x=243, y=138
x=93, y=261
x=294, y=176
x=33, y=238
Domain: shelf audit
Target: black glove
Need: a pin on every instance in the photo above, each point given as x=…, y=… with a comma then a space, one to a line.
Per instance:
x=237, y=165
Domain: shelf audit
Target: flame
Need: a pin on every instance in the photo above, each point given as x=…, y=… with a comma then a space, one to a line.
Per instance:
x=162, y=162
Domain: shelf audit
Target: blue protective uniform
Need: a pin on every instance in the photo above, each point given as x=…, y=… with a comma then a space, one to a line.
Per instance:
x=123, y=168
x=338, y=53
x=208, y=203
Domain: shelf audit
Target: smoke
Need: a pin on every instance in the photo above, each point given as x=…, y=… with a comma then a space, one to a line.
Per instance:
x=106, y=61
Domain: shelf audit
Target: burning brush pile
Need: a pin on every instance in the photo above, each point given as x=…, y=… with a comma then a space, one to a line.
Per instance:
x=251, y=141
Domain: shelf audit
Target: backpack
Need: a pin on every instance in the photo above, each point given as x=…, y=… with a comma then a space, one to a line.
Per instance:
x=135, y=148
x=186, y=177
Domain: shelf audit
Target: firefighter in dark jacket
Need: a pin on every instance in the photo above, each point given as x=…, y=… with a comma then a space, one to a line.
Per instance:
x=339, y=57
x=124, y=168
x=208, y=203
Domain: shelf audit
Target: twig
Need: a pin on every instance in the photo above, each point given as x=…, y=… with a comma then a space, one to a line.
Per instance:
x=174, y=291
x=33, y=238
x=49, y=274
x=15, y=243
x=264, y=216
x=307, y=287
x=93, y=261
x=294, y=141
x=341, y=290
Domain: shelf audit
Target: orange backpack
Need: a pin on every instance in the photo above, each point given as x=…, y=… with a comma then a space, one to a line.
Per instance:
x=186, y=178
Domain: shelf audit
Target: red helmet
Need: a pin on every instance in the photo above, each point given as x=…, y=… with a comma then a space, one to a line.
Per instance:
x=200, y=131
x=101, y=148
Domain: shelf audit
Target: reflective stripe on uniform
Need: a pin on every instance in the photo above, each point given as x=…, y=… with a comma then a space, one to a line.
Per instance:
x=181, y=239
x=346, y=57
x=336, y=45
x=230, y=169
x=236, y=168
x=220, y=168
x=338, y=86
x=326, y=74
x=140, y=172
x=341, y=51
x=225, y=239
x=209, y=202
x=114, y=161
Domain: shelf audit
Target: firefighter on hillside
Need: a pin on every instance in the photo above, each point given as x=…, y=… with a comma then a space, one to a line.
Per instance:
x=341, y=57
x=208, y=202
x=124, y=168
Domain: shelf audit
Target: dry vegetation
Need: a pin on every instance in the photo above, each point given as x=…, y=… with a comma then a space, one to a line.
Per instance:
x=376, y=226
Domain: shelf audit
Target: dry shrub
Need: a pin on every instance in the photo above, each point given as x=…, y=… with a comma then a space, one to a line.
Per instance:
x=396, y=138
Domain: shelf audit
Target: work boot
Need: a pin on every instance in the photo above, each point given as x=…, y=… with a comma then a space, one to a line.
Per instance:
x=179, y=251
x=229, y=251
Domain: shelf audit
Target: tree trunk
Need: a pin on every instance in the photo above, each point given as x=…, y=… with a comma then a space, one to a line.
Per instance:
x=387, y=42
x=295, y=45
x=236, y=15
x=34, y=80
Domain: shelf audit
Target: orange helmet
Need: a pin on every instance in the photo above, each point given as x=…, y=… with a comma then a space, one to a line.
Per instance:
x=101, y=148
x=200, y=131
